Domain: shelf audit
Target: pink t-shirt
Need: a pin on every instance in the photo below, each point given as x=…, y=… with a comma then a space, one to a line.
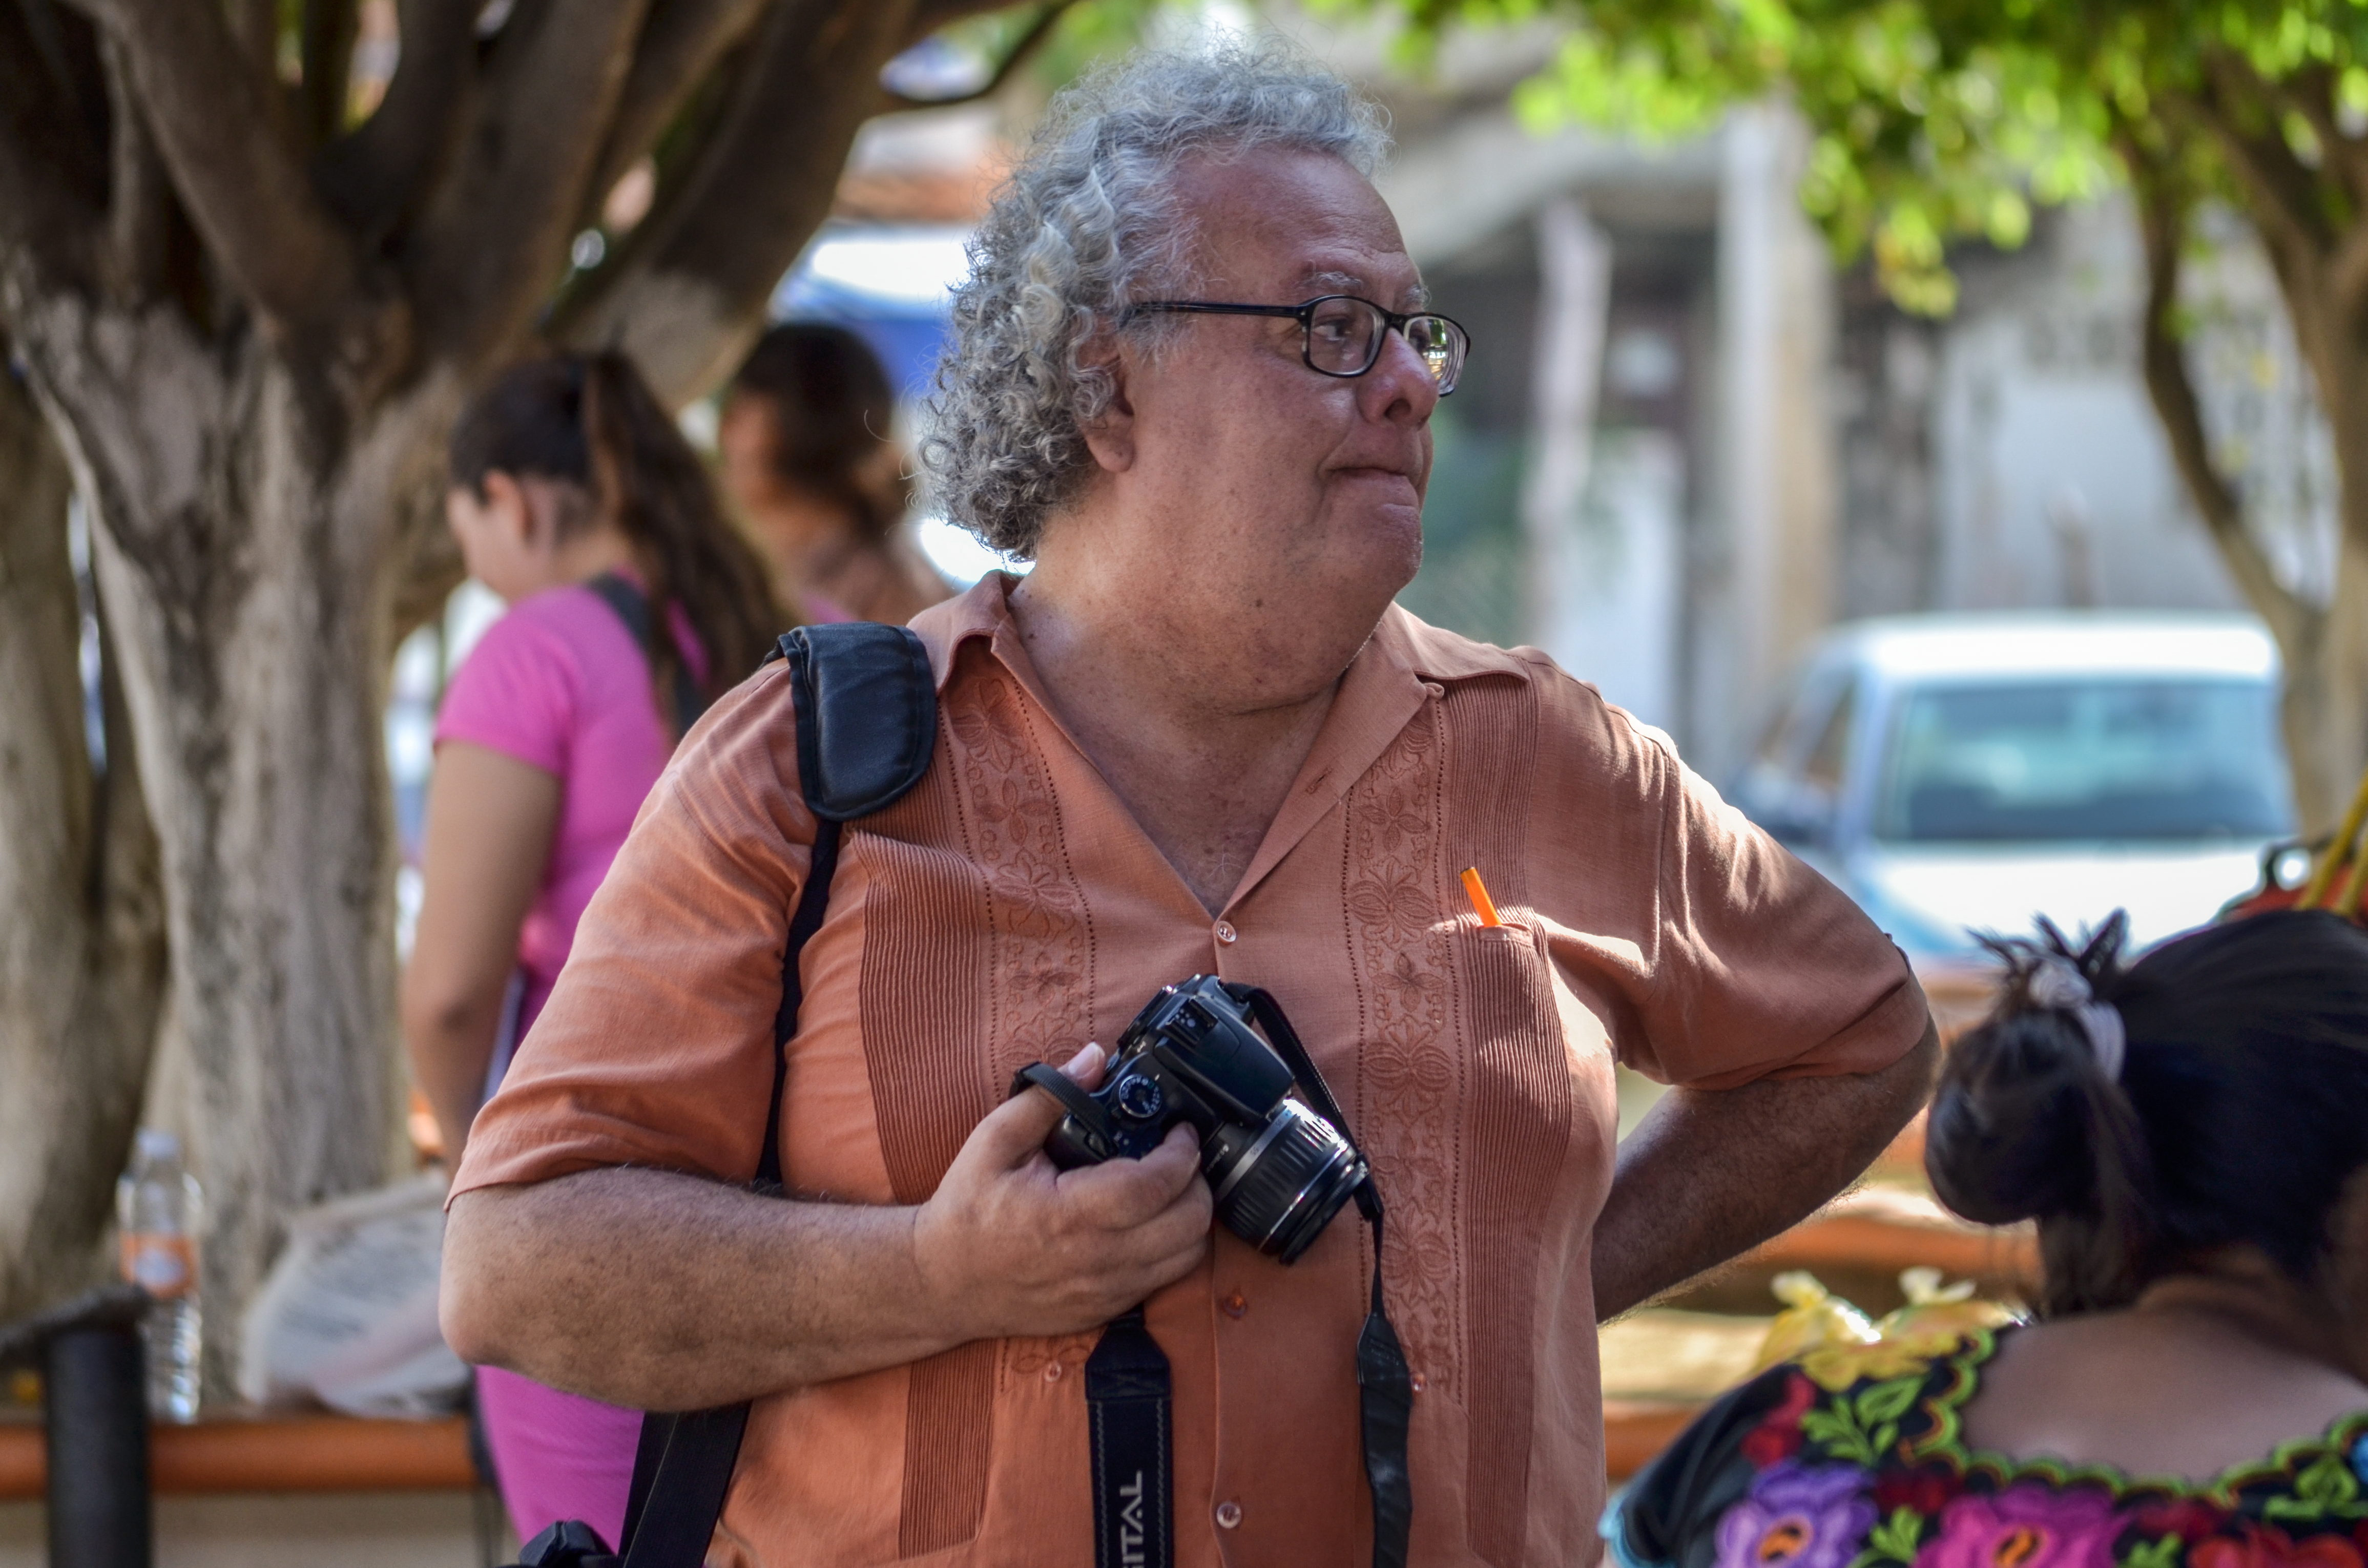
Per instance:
x=559, y=684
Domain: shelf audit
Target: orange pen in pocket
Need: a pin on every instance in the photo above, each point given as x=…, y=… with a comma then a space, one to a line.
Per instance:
x=1482, y=904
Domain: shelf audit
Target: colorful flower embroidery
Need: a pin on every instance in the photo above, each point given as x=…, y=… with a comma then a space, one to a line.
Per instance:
x=1778, y=1437
x=2266, y=1546
x=1798, y=1517
x=1854, y=1457
x=2032, y=1524
x=1920, y=1492
x=2190, y=1518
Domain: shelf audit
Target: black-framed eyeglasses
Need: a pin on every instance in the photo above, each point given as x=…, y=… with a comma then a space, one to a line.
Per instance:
x=1341, y=334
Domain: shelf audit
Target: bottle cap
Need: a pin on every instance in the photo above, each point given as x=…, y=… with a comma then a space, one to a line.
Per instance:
x=156, y=1143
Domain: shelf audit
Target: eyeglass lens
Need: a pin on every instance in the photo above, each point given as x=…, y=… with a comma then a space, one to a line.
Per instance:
x=1344, y=338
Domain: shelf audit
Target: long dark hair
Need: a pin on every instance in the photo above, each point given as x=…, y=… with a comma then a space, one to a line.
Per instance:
x=831, y=406
x=590, y=420
x=2238, y=1114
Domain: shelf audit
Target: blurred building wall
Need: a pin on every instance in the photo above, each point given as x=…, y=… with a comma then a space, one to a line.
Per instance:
x=2007, y=457
x=1676, y=548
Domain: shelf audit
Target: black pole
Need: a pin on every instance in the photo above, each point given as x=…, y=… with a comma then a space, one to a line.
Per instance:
x=93, y=1383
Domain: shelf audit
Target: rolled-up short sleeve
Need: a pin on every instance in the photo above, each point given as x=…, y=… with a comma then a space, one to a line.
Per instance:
x=657, y=1040
x=1747, y=964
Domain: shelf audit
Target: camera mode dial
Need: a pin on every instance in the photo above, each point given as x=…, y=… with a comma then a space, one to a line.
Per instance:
x=1138, y=1099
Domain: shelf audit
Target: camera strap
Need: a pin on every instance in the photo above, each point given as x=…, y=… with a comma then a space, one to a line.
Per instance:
x=866, y=706
x=1127, y=1409
x=1384, y=1385
x=1128, y=1384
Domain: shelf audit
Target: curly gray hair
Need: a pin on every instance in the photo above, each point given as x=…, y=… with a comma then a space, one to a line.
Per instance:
x=1084, y=228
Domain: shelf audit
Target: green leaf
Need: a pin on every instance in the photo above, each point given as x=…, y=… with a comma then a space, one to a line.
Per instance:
x=1889, y=1401
x=1898, y=1536
x=2326, y=1487
x=1839, y=1432
x=2162, y=1553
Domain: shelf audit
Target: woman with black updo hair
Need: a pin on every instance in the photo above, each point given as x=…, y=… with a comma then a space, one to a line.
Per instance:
x=2190, y=1133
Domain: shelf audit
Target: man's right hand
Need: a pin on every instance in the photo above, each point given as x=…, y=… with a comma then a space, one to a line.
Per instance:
x=1014, y=1246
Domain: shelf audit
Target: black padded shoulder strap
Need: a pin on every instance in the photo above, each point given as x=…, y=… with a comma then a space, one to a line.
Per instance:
x=867, y=703
x=867, y=711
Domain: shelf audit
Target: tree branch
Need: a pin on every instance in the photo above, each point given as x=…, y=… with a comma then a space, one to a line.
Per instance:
x=67, y=47
x=140, y=195
x=373, y=176
x=326, y=38
x=209, y=112
x=254, y=24
x=2310, y=93
x=2162, y=220
x=680, y=44
x=495, y=230
x=929, y=16
x=2282, y=191
x=686, y=292
x=1021, y=51
x=52, y=165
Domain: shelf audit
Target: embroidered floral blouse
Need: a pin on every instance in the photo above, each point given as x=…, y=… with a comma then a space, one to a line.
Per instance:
x=1853, y=1458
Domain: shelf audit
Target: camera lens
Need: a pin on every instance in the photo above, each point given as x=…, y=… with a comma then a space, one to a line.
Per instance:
x=1280, y=1192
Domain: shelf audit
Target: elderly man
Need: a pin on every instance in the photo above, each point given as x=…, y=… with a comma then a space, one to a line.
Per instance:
x=1199, y=738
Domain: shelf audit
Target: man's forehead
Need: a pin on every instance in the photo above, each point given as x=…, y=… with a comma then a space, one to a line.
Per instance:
x=1289, y=220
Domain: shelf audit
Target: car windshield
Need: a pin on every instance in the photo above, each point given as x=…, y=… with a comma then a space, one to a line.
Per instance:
x=2093, y=761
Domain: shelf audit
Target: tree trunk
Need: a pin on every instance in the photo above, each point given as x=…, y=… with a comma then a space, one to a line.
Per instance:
x=82, y=964
x=2326, y=701
x=250, y=562
x=2323, y=707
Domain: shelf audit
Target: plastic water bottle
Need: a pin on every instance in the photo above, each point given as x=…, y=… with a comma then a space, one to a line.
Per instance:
x=158, y=1207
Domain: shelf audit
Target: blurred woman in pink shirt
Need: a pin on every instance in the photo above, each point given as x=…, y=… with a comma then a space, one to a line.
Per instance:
x=576, y=498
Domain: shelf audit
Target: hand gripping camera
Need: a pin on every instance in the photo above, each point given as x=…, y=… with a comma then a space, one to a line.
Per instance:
x=1279, y=1171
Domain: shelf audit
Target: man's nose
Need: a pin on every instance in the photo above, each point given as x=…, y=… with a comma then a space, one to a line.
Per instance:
x=1400, y=387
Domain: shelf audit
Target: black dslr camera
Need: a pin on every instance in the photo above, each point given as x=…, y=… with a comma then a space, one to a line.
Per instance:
x=1278, y=1170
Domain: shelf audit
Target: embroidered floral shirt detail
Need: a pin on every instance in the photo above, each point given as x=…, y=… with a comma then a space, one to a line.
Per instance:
x=1857, y=1460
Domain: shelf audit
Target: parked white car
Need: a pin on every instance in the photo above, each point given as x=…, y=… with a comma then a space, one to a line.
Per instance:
x=1957, y=774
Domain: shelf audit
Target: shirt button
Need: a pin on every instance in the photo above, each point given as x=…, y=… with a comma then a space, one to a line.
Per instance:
x=1229, y=1515
x=1225, y=932
x=1235, y=1305
x=1051, y=1372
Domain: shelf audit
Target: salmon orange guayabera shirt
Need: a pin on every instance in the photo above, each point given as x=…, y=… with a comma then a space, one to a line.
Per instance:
x=1010, y=909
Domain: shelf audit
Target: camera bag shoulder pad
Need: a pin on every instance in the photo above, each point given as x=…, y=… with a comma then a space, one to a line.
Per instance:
x=867, y=706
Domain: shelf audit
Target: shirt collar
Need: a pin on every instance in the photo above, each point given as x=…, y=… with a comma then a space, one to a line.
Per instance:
x=1401, y=666
x=977, y=612
x=1416, y=649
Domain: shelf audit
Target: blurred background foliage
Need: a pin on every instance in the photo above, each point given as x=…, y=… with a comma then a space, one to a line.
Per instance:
x=1940, y=120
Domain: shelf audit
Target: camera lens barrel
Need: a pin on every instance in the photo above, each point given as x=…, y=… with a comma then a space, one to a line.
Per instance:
x=1280, y=1192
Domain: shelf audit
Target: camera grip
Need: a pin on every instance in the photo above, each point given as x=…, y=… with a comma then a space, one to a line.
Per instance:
x=1094, y=1141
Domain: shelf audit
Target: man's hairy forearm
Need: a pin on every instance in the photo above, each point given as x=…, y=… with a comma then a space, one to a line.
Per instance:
x=1707, y=1176
x=666, y=1292
x=661, y=1292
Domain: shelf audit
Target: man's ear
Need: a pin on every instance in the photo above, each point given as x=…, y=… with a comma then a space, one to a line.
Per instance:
x=1110, y=436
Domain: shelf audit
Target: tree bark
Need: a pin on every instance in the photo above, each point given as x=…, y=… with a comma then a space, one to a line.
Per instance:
x=246, y=530
x=261, y=461
x=82, y=962
x=2322, y=705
